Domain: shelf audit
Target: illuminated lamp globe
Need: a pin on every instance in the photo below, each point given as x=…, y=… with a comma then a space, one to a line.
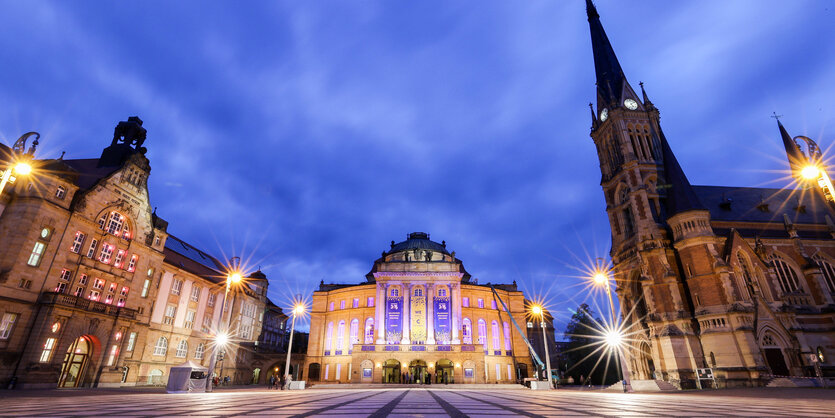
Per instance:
x=299, y=309
x=601, y=278
x=221, y=339
x=536, y=310
x=235, y=277
x=810, y=172
x=22, y=169
x=614, y=338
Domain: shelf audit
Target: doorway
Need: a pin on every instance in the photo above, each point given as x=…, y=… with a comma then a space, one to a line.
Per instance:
x=313, y=371
x=75, y=363
x=776, y=361
x=391, y=371
x=444, y=372
x=417, y=371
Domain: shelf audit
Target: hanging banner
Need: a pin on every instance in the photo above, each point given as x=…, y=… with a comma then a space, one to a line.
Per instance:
x=417, y=328
x=394, y=320
x=443, y=328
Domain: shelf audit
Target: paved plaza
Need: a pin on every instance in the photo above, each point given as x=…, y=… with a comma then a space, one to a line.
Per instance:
x=419, y=402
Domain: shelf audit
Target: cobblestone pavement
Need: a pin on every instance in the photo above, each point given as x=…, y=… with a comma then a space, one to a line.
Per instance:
x=419, y=402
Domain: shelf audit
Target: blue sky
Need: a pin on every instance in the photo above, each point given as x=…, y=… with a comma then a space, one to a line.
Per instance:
x=306, y=136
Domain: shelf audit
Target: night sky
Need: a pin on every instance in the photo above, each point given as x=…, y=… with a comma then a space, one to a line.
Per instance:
x=307, y=135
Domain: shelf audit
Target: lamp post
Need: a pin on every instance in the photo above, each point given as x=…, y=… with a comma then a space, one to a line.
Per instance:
x=20, y=160
x=222, y=337
x=537, y=310
x=614, y=337
x=297, y=310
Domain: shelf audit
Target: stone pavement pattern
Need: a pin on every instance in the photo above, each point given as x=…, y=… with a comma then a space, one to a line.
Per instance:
x=420, y=402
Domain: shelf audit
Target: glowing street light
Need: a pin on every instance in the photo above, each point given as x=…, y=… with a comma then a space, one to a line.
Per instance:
x=538, y=311
x=234, y=276
x=21, y=167
x=614, y=336
x=810, y=172
x=221, y=339
x=297, y=310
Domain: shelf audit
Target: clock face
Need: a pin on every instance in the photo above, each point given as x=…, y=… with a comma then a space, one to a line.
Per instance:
x=44, y=232
x=630, y=104
x=604, y=114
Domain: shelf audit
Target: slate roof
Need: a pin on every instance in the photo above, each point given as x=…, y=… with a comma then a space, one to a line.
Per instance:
x=418, y=240
x=189, y=258
x=610, y=77
x=680, y=194
x=751, y=204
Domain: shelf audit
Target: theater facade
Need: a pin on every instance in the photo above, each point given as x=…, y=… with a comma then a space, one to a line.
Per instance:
x=420, y=316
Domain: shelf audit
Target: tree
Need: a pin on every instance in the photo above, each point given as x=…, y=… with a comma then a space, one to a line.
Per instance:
x=585, y=354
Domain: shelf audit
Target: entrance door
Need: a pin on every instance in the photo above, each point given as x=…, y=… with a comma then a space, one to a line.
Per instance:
x=774, y=357
x=417, y=371
x=75, y=361
x=391, y=371
x=521, y=371
x=444, y=372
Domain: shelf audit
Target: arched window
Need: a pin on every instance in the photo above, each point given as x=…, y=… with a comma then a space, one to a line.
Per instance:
x=507, y=346
x=198, y=352
x=482, y=333
x=496, y=338
x=115, y=222
x=355, y=326
x=828, y=272
x=768, y=341
x=467, y=331
x=329, y=337
x=786, y=276
x=340, y=336
x=162, y=346
x=418, y=291
x=747, y=278
x=182, y=349
x=369, y=331
x=623, y=196
x=395, y=292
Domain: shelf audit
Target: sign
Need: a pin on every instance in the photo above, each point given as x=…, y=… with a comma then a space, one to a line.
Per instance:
x=705, y=373
x=468, y=373
x=443, y=328
x=394, y=320
x=366, y=373
x=417, y=328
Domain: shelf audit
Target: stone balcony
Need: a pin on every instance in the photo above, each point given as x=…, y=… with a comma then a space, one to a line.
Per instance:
x=53, y=298
x=448, y=348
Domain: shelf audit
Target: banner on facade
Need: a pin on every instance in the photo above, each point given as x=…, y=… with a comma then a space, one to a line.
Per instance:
x=443, y=328
x=417, y=327
x=394, y=320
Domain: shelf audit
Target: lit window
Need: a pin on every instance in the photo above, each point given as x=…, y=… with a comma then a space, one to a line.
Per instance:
x=120, y=302
x=120, y=258
x=189, y=319
x=92, y=250
x=66, y=275
x=108, y=299
x=370, y=302
x=126, y=232
x=60, y=192
x=482, y=333
x=170, y=311
x=330, y=306
x=419, y=291
x=355, y=303
x=77, y=242
x=211, y=300
x=198, y=352
x=145, y=288
x=465, y=302
x=82, y=279
x=114, y=223
x=341, y=304
x=7, y=324
x=78, y=291
x=496, y=339
x=354, y=335
x=182, y=349
x=395, y=292
x=480, y=303
x=176, y=287
x=494, y=304
x=131, y=341
x=114, y=352
x=369, y=331
x=157, y=240
x=98, y=283
x=61, y=288
x=106, y=253
x=340, y=336
x=507, y=345
x=530, y=324
x=467, y=331
x=94, y=295
x=195, y=293
x=48, y=346
x=442, y=292
x=329, y=337
x=37, y=253
x=112, y=288
x=124, y=291
x=207, y=323
x=162, y=346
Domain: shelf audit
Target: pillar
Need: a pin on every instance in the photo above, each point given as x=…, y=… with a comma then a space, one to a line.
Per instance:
x=430, y=314
x=455, y=301
x=407, y=308
x=380, y=306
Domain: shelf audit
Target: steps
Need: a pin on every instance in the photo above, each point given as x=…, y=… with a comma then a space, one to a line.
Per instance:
x=794, y=382
x=645, y=386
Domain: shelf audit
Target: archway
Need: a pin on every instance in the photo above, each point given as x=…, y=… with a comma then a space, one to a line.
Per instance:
x=774, y=355
x=521, y=371
x=314, y=371
x=444, y=371
x=417, y=371
x=256, y=375
x=75, y=362
x=647, y=367
x=391, y=371
x=367, y=370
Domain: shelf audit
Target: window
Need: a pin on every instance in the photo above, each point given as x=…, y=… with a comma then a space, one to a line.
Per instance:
x=7, y=324
x=480, y=303
x=328, y=338
x=82, y=279
x=498, y=371
x=207, y=323
x=132, y=263
x=60, y=192
x=61, y=288
x=419, y=291
x=467, y=331
x=369, y=331
x=182, y=349
x=66, y=275
x=442, y=292
x=115, y=223
x=341, y=304
x=198, y=352
x=340, y=336
x=106, y=253
x=493, y=304
x=131, y=341
x=330, y=306
x=162, y=347
x=354, y=336
x=124, y=291
x=98, y=283
x=482, y=333
x=245, y=331
x=355, y=303
x=370, y=302
x=77, y=242
x=108, y=299
x=48, y=347
x=395, y=292
x=91, y=251
x=170, y=311
x=828, y=273
x=120, y=259
x=465, y=302
x=37, y=253
x=145, y=288
x=496, y=339
x=507, y=346
x=509, y=372
x=176, y=287
x=114, y=351
x=94, y=295
x=157, y=240
x=211, y=300
x=112, y=288
x=78, y=291
x=190, y=319
x=530, y=324
x=24, y=284
x=786, y=276
x=195, y=293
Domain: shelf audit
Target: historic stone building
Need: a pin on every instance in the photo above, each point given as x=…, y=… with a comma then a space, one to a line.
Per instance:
x=93, y=289
x=418, y=312
x=739, y=280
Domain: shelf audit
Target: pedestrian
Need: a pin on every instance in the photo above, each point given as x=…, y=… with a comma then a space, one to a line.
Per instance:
x=272, y=382
x=428, y=378
x=283, y=381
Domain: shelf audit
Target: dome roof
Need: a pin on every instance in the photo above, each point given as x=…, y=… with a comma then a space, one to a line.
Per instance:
x=418, y=240
x=258, y=275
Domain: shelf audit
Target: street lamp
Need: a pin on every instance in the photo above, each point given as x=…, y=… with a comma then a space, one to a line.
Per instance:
x=297, y=310
x=222, y=337
x=20, y=160
x=614, y=336
x=537, y=310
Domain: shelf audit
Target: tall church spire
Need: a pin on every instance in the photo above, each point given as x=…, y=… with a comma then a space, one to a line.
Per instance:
x=794, y=154
x=610, y=77
x=680, y=194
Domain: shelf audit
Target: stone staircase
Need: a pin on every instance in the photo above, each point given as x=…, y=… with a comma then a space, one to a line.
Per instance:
x=645, y=386
x=794, y=382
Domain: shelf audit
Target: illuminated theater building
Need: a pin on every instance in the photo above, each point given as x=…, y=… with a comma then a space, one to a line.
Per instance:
x=419, y=314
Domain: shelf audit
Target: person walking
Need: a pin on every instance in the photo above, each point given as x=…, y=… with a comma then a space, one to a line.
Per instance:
x=283, y=381
x=272, y=382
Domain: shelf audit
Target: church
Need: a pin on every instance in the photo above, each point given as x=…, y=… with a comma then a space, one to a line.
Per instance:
x=739, y=280
x=420, y=317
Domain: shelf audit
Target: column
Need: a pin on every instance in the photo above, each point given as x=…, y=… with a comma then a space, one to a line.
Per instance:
x=455, y=302
x=380, y=307
x=407, y=307
x=430, y=314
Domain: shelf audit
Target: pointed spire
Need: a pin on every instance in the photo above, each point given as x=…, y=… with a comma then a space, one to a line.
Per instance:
x=648, y=104
x=610, y=77
x=593, y=116
x=793, y=152
x=680, y=194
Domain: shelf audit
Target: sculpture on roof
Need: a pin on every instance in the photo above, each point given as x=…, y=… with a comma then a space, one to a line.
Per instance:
x=130, y=132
